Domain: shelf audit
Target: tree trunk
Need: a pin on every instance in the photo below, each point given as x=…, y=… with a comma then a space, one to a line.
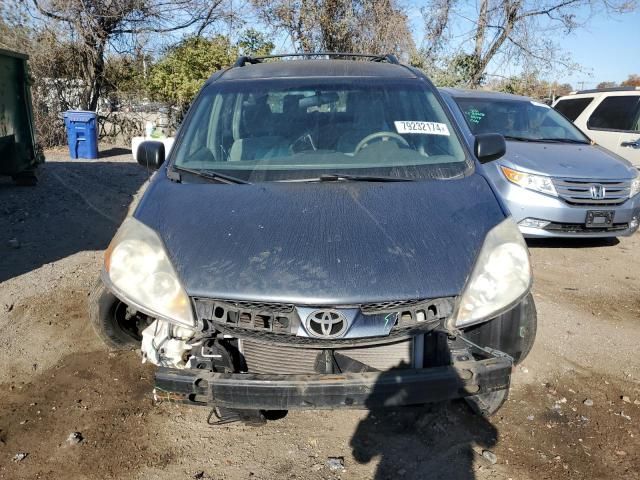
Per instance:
x=481, y=62
x=93, y=73
x=97, y=82
x=481, y=28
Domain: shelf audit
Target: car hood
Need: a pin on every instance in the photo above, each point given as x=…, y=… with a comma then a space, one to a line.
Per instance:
x=328, y=243
x=567, y=160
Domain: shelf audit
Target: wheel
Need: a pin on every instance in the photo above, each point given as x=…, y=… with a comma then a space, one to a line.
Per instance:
x=111, y=321
x=487, y=404
x=529, y=329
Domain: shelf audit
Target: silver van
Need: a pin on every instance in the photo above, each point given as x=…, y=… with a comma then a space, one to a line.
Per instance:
x=553, y=179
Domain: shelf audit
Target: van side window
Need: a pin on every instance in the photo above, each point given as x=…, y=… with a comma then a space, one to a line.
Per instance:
x=573, y=107
x=616, y=113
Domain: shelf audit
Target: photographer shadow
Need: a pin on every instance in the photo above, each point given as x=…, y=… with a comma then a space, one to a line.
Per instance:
x=443, y=440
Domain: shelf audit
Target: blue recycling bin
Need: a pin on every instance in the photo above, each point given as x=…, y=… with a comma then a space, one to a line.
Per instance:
x=82, y=133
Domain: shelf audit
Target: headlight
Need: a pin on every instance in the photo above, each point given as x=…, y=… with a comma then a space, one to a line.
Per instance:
x=500, y=277
x=635, y=186
x=537, y=183
x=138, y=268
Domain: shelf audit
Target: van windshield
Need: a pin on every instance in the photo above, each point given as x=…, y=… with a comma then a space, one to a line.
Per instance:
x=290, y=129
x=518, y=120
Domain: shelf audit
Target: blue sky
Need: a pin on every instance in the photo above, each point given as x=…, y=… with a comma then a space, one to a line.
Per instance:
x=609, y=47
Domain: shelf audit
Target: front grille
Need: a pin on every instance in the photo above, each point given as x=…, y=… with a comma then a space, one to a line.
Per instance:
x=581, y=228
x=263, y=318
x=579, y=191
x=384, y=307
x=263, y=306
x=266, y=358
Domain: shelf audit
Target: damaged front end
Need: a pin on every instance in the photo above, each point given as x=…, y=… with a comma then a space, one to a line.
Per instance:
x=259, y=356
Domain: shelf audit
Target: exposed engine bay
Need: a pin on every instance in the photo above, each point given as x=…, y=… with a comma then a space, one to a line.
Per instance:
x=166, y=345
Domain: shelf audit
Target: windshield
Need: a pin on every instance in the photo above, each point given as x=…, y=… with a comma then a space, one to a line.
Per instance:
x=518, y=120
x=294, y=129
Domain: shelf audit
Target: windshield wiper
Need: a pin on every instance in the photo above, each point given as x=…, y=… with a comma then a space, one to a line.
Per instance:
x=543, y=140
x=327, y=177
x=336, y=177
x=564, y=140
x=519, y=139
x=212, y=175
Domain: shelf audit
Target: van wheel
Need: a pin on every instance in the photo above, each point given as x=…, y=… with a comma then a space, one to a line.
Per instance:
x=487, y=404
x=108, y=317
x=528, y=328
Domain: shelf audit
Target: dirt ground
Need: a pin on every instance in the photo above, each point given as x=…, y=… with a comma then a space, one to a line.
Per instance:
x=57, y=378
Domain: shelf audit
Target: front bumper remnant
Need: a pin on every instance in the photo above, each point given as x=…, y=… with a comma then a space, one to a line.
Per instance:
x=349, y=390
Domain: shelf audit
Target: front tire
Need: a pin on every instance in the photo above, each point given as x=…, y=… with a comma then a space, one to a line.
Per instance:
x=107, y=315
x=487, y=404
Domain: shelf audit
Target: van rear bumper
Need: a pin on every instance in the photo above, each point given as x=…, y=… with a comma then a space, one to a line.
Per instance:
x=328, y=391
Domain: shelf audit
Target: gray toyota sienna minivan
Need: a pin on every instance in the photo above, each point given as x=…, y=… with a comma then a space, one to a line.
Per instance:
x=319, y=237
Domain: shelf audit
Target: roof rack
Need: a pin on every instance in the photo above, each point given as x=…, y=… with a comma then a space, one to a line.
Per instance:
x=609, y=89
x=389, y=58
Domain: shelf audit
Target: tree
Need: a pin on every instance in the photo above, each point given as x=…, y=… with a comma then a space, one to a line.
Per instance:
x=364, y=26
x=517, y=32
x=254, y=43
x=125, y=78
x=560, y=90
x=606, y=85
x=632, y=81
x=530, y=85
x=125, y=73
x=97, y=25
x=180, y=73
x=54, y=70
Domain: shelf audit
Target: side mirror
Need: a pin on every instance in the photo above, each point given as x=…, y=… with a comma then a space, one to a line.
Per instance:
x=489, y=147
x=151, y=154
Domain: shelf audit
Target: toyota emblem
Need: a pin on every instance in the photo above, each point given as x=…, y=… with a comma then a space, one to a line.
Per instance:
x=326, y=323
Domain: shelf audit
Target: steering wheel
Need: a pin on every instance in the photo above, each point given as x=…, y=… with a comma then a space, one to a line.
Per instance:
x=384, y=136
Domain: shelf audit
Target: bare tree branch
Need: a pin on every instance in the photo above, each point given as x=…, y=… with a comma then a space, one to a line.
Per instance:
x=95, y=24
x=372, y=26
x=520, y=30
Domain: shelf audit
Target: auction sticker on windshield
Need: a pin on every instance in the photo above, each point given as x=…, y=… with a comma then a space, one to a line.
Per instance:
x=425, y=128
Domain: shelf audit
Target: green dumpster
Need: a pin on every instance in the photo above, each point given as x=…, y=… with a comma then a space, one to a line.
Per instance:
x=18, y=153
